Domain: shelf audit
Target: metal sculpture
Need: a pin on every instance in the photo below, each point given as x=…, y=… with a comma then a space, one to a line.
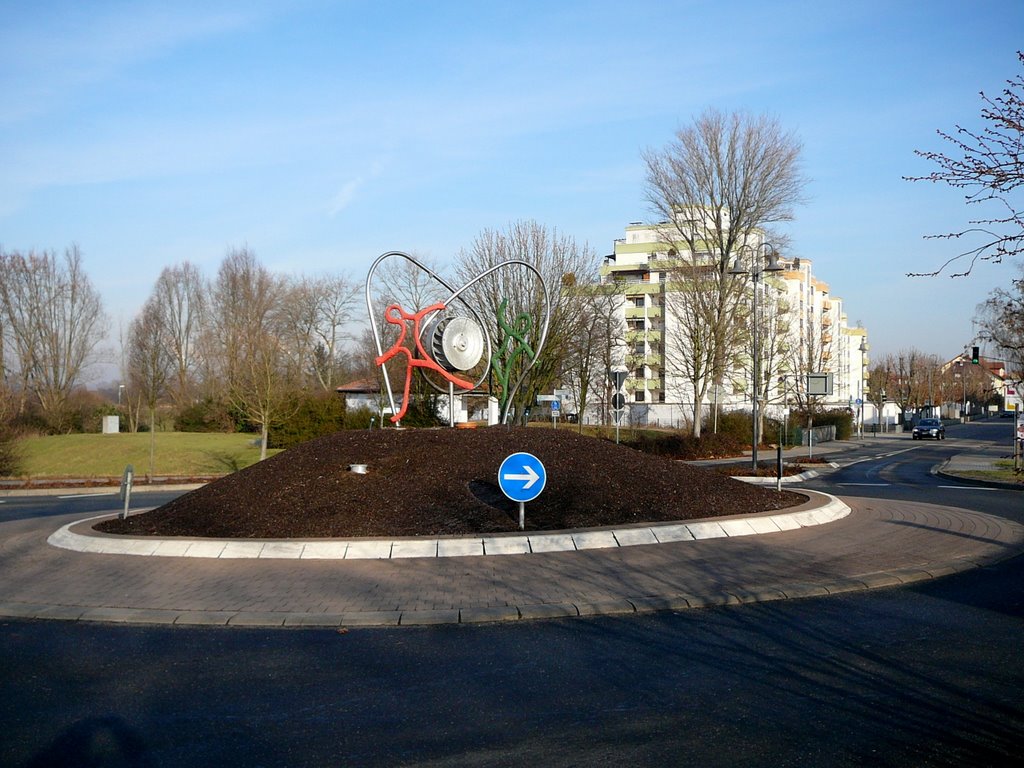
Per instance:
x=446, y=344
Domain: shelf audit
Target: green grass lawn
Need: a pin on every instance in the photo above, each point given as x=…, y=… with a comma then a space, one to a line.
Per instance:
x=175, y=454
x=1003, y=471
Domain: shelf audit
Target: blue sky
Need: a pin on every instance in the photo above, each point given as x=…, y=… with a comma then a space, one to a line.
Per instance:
x=322, y=134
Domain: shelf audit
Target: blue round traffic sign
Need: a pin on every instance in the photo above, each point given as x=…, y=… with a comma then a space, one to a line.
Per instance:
x=521, y=477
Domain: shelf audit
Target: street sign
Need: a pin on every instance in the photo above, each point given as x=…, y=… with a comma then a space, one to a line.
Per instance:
x=618, y=376
x=522, y=477
x=819, y=384
x=555, y=405
x=618, y=401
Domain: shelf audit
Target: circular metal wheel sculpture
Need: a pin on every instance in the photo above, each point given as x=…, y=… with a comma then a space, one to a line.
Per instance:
x=457, y=343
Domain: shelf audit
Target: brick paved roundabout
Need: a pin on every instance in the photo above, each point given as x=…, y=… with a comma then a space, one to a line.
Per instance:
x=880, y=543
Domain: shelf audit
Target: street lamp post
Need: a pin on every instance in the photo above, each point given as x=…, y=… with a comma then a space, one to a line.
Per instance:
x=756, y=270
x=963, y=382
x=863, y=371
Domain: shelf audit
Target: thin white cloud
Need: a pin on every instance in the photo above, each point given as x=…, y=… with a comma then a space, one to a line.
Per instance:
x=344, y=198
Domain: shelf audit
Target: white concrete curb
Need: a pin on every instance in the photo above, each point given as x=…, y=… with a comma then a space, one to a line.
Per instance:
x=810, y=473
x=465, y=546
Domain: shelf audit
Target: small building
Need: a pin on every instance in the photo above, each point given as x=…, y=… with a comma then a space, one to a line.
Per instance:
x=364, y=393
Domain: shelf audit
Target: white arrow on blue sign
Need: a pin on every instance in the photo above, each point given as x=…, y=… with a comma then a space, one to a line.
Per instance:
x=522, y=477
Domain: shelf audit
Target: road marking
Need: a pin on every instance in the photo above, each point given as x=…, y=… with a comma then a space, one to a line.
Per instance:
x=969, y=488
x=88, y=495
x=873, y=485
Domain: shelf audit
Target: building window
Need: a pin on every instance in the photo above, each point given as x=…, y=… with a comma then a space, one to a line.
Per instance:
x=638, y=396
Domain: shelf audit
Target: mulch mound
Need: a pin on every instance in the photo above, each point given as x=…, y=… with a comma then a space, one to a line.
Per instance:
x=444, y=481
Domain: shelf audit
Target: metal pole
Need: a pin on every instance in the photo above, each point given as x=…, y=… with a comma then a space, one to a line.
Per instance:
x=522, y=516
x=756, y=273
x=778, y=468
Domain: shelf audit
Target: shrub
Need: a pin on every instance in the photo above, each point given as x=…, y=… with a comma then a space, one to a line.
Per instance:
x=840, y=417
x=204, y=416
x=736, y=424
x=360, y=418
x=314, y=415
x=686, y=447
x=422, y=411
x=10, y=456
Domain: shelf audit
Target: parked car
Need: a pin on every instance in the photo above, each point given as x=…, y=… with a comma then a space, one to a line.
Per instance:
x=929, y=428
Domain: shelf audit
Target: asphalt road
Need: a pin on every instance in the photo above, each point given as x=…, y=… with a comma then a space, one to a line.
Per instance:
x=915, y=676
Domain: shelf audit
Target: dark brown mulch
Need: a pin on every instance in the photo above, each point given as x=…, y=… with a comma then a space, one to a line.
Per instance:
x=444, y=481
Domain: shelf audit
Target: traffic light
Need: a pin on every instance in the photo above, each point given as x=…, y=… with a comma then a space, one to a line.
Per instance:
x=974, y=355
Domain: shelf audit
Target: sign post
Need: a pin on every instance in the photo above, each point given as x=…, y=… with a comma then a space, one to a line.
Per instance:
x=521, y=478
x=126, y=488
x=617, y=376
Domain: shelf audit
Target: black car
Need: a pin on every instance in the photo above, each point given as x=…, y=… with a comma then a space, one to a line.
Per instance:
x=929, y=428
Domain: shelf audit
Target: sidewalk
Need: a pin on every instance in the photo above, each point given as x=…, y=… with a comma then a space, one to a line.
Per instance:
x=880, y=544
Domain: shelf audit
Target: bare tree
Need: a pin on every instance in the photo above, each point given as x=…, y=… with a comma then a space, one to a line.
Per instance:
x=1000, y=321
x=512, y=301
x=54, y=320
x=399, y=281
x=696, y=340
x=907, y=380
x=879, y=384
x=811, y=351
x=989, y=165
x=775, y=346
x=179, y=300
x=316, y=313
x=715, y=187
x=150, y=365
x=245, y=302
x=597, y=343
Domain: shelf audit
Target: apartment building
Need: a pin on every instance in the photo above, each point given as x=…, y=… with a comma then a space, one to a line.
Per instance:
x=817, y=338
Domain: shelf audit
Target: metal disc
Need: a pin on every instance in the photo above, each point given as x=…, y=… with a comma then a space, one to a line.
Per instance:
x=458, y=343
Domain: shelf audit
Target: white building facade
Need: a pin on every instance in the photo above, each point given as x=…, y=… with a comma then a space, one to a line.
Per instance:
x=817, y=336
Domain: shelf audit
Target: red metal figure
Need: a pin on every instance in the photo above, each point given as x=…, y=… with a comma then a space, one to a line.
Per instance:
x=424, y=361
